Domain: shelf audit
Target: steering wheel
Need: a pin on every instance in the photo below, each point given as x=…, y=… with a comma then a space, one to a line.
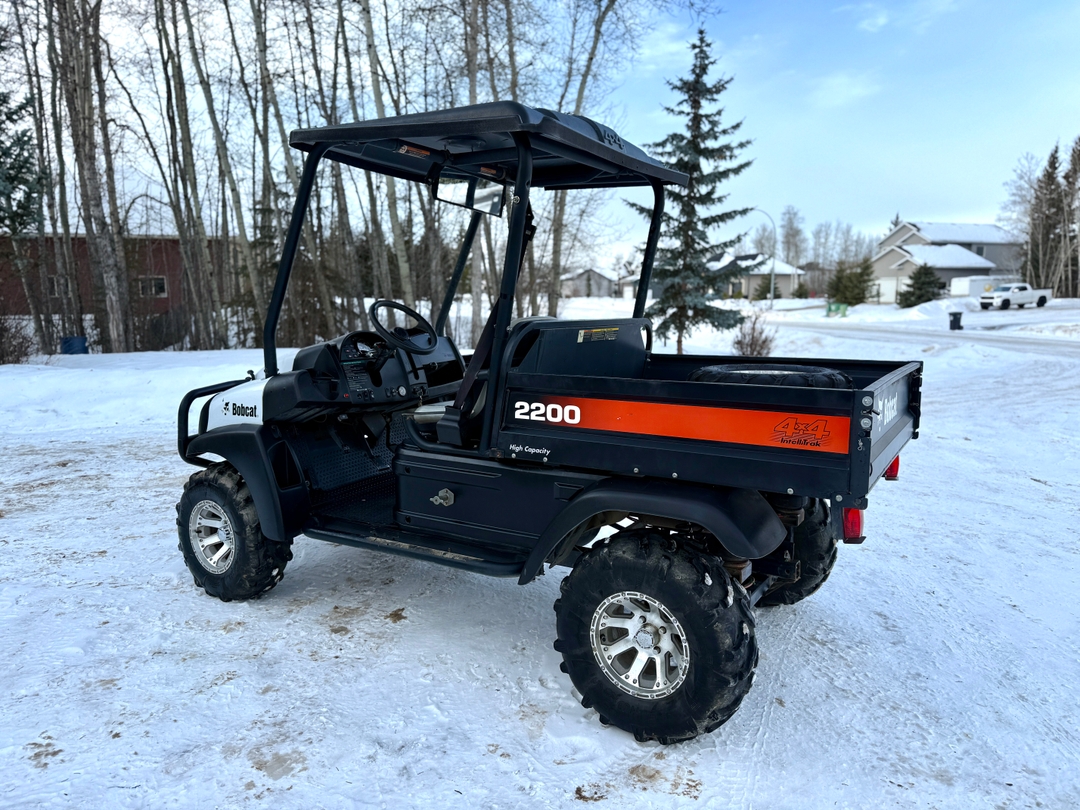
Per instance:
x=403, y=342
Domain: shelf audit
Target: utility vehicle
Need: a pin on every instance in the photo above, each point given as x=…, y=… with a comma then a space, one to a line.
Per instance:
x=681, y=490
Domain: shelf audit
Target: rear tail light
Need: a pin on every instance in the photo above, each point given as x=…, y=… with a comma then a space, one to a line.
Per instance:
x=853, y=526
x=892, y=472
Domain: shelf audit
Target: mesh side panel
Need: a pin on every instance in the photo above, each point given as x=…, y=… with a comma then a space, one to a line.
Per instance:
x=350, y=483
x=371, y=500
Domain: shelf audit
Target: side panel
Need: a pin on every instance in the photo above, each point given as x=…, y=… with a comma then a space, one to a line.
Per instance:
x=489, y=502
x=753, y=437
x=784, y=429
x=240, y=405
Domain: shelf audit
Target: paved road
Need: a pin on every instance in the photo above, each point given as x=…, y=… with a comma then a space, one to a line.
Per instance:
x=1061, y=347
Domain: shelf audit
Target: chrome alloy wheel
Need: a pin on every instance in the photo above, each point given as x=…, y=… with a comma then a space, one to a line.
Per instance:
x=639, y=645
x=211, y=535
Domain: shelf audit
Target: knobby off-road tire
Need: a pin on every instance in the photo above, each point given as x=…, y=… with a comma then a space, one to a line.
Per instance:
x=236, y=560
x=688, y=603
x=815, y=549
x=773, y=374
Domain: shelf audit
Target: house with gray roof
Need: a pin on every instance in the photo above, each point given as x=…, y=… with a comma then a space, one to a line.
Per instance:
x=953, y=250
x=752, y=268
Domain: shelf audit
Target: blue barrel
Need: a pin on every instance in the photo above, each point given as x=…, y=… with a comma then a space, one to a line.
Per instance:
x=73, y=345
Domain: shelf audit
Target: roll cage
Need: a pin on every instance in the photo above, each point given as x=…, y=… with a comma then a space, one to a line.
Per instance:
x=506, y=141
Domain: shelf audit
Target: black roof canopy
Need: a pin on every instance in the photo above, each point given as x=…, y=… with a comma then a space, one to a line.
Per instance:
x=569, y=151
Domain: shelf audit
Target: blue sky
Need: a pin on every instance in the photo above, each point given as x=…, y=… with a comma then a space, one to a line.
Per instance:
x=861, y=110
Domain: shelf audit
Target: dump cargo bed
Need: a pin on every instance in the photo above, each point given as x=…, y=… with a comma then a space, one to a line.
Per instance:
x=775, y=438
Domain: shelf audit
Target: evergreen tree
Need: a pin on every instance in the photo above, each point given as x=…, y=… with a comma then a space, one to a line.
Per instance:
x=923, y=285
x=20, y=181
x=851, y=284
x=20, y=212
x=705, y=152
x=801, y=290
x=761, y=292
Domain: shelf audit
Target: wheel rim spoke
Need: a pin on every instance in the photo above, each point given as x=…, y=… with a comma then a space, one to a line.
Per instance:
x=653, y=636
x=211, y=536
x=221, y=553
x=634, y=672
x=622, y=645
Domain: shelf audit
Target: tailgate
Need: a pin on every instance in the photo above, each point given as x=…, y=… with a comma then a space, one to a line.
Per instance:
x=896, y=410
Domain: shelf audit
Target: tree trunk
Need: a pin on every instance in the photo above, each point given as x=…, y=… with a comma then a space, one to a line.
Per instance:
x=223, y=159
x=77, y=28
x=404, y=270
x=116, y=230
x=69, y=279
x=43, y=323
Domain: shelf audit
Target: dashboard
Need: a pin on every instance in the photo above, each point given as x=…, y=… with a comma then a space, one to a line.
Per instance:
x=358, y=370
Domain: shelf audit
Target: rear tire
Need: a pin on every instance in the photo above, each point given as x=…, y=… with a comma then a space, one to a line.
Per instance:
x=815, y=549
x=773, y=374
x=223, y=546
x=1021, y=306
x=687, y=604
x=1041, y=302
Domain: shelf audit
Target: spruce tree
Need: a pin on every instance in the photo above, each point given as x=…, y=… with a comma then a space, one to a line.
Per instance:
x=704, y=151
x=923, y=285
x=761, y=292
x=851, y=285
x=20, y=180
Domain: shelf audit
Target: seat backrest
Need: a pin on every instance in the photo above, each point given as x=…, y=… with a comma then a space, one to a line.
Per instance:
x=604, y=348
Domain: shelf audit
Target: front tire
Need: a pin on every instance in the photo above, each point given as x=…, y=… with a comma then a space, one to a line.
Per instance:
x=220, y=538
x=656, y=637
x=1005, y=304
x=984, y=306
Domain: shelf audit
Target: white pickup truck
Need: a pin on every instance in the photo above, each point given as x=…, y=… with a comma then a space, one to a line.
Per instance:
x=1004, y=296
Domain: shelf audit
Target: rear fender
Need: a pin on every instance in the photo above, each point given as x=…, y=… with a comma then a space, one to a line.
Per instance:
x=742, y=520
x=271, y=471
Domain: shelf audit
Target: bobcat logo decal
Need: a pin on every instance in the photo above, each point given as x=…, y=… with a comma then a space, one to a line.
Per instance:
x=225, y=408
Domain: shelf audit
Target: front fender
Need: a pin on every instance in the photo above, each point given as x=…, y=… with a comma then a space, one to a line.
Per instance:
x=740, y=519
x=272, y=474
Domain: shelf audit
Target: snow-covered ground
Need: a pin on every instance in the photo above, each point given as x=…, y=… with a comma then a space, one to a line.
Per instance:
x=938, y=667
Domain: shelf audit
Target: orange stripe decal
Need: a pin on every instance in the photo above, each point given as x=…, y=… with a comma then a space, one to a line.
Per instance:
x=803, y=431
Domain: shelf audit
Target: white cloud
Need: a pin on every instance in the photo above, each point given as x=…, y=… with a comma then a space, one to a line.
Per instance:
x=923, y=13
x=876, y=19
x=842, y=89
x=916, y=16
x=872, y=17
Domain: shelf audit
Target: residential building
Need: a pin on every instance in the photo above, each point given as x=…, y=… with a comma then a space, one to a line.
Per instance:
x=753, y=268
x=589, y=283
x=952, y=250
